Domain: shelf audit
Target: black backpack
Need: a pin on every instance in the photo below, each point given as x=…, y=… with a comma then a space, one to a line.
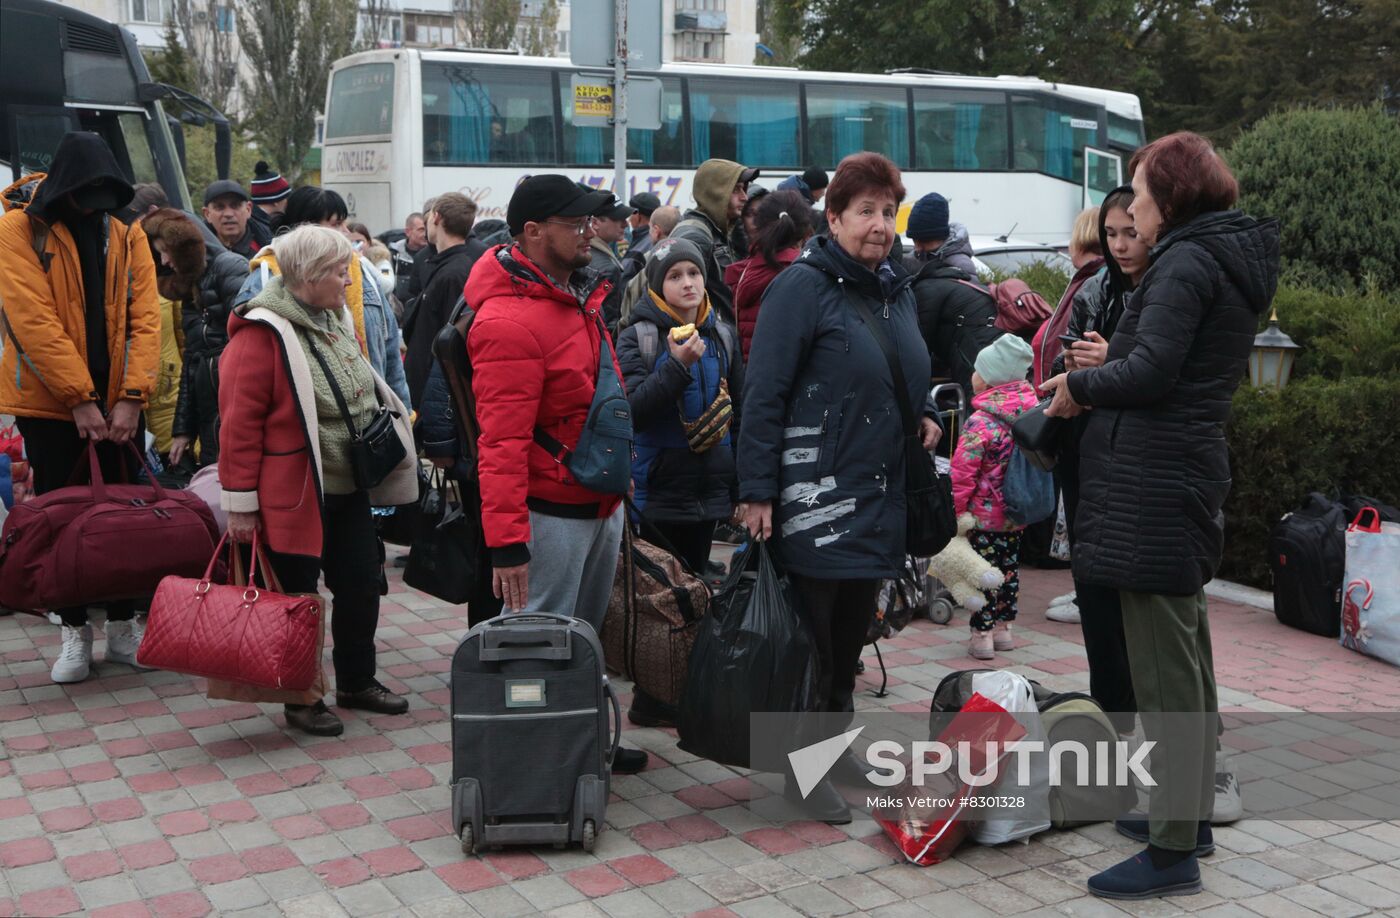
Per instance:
x=1307, y=554
x=450, y=349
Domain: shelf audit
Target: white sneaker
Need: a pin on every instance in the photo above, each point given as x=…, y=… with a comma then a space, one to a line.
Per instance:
x=1063, y=609
x=75, y=659
x=1228, y=805
x=123, y=639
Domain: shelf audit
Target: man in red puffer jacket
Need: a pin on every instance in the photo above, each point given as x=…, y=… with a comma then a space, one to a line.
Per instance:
x=535, y=346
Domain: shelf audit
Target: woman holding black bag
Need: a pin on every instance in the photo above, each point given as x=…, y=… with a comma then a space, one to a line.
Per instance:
x=311, y=437
x=824, y=450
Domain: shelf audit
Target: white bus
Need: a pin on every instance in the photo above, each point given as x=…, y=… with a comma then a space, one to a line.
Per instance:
x=1009, y=152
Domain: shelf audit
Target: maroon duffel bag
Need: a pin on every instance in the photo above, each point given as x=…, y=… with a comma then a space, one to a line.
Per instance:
x=101, y=542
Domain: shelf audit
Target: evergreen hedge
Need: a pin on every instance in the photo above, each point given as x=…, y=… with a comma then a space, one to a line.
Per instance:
x=1329, y=176
x=1316, y=434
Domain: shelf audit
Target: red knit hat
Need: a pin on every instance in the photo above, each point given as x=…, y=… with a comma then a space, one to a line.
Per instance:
x=268, y=186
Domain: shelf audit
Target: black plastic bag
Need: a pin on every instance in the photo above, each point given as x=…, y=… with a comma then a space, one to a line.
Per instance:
x=753, y=653
x=444, y=560
x=401, y=526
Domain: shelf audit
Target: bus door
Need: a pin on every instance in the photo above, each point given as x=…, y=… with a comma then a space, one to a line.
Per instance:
x=34, y=132
x=1103, y=172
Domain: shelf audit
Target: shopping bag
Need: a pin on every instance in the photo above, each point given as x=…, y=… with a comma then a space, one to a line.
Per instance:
x=653, y=616
x=443, y=560
x=1371, y=588
x=239, y=633
x=753, y=653
x=926, y=823
x=1030, y=813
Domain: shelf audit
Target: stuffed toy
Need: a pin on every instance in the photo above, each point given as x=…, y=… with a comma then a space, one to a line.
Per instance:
x=963, y=571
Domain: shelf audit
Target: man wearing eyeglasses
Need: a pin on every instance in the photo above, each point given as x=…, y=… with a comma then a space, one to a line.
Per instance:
x=535, y=345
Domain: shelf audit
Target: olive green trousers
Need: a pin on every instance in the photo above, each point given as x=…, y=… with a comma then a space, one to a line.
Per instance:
x=1169, y=653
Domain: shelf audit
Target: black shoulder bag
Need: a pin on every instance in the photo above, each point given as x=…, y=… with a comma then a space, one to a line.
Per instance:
x=376, y=450
x=930, y=523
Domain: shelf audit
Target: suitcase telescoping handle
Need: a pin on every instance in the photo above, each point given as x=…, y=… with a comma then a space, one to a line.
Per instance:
x=513, y=638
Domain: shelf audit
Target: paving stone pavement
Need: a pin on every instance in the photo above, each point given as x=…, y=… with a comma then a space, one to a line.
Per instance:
x=131, y=794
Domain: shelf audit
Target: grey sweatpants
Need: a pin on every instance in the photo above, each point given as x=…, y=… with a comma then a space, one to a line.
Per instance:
x=572, y=565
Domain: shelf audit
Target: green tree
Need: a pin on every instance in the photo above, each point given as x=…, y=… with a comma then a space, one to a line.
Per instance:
x=171, y=64
x=542, y=33
x=199, y=160
x=487, y=23
x=1247, y=58
x=1213, y=67
x=290, y=45
x=1083, y=41
x=1328, y=176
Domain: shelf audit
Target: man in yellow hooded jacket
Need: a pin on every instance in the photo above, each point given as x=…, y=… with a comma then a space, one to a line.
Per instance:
x=81, y=343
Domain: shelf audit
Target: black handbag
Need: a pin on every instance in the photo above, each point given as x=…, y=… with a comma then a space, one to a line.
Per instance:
x=399, y=525
x=375, y=450
x=444, y=558
x=1038, y=436
x=930, y=523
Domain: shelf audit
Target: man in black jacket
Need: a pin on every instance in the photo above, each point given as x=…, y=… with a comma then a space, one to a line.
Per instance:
x=957, y=315
x=449, y=229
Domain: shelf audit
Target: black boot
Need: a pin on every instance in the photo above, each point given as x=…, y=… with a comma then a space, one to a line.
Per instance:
x=647, y=711
x=823, y=804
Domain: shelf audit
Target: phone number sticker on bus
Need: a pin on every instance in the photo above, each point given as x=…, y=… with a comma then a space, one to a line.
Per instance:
x=593, y=99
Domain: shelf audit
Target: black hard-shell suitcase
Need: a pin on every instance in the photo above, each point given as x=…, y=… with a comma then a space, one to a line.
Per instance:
x=532, y=748
x=1307, y=554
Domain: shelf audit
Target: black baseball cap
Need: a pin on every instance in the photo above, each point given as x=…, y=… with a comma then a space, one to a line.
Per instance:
x=222, y=187
x=540, y=197
x=645, y=203
x=617, y=211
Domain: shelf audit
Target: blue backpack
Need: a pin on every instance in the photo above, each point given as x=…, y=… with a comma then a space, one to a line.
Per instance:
x=602, y=460
x=1027, y=491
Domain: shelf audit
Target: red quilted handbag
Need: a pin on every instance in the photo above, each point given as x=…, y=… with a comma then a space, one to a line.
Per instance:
x=236, y=632
x=98, y=542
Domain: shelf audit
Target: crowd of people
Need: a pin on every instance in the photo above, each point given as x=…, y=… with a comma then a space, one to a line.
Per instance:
x=775, y=359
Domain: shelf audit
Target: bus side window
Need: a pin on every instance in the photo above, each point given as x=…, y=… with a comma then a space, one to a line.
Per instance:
x=483, y=115
x=844, y=119
x=752, y=123
x=1050, y=135
x=959, y=130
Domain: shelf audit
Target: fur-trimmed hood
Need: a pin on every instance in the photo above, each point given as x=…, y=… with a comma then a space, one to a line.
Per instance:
x=184, y=242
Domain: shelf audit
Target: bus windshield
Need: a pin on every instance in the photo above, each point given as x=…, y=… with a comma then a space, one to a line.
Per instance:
x=62, y=70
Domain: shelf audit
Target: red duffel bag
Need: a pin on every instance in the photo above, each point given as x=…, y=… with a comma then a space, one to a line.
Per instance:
x=235, y=632
x=101, y=542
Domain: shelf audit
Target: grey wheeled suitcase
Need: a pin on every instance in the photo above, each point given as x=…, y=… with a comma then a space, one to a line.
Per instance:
x=532, y=748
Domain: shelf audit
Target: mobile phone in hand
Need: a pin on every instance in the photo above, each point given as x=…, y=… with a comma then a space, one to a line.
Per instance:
x=1067, y=340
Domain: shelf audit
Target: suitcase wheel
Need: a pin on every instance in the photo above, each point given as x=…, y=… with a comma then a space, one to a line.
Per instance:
x=468, y=839
x=940, y=611
x=590, y=835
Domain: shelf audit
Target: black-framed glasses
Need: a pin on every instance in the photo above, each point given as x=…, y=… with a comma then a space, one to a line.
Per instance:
x=579, y=228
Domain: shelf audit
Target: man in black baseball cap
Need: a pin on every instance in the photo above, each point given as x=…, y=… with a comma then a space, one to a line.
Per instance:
x=227, y=209
x=643, y=205
x=536, y=347
x=540, y=197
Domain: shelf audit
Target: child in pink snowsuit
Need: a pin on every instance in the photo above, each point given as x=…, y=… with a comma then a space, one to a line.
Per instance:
x=984, y=449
